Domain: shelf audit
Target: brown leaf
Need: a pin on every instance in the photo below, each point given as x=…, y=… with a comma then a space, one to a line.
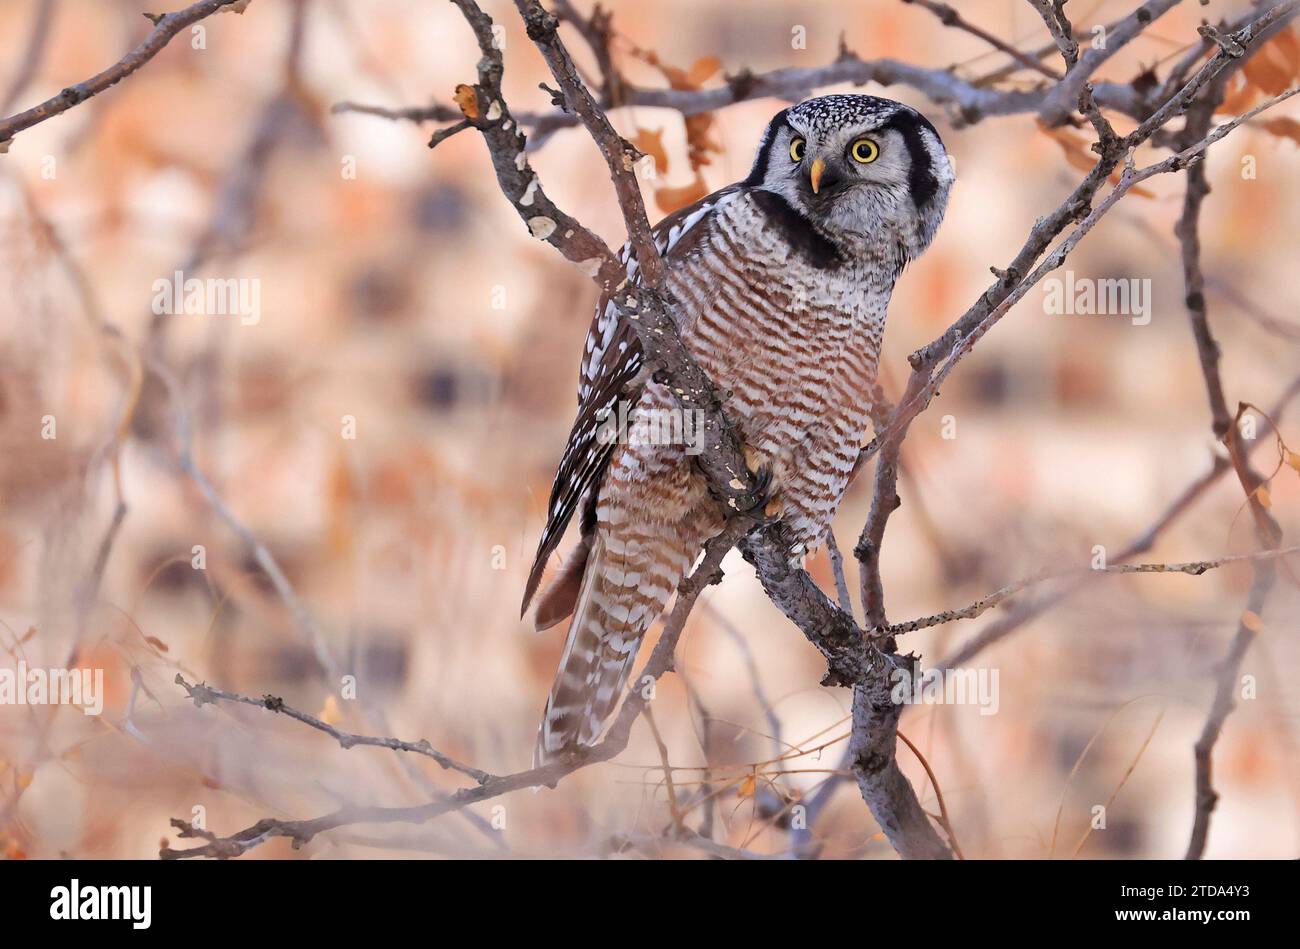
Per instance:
x=747, y=787
x=686, y=80
x=670, y=199
x=703, y=69
x=1293, y=459
x=1284, y=127
x=467, y=98
x=651, y=142
x=699, y=138
x=1078, y=154
x=1263, y=497
x=340, y=506
x=698, y=127
x=1240, y=97
x=1272, y=69
x=1288, y=48
x=1264, y=71
x=329, y=713
x=1252, y=621
x=156, y=643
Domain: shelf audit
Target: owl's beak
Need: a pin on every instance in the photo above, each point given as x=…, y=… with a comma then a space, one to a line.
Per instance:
x=815, y=174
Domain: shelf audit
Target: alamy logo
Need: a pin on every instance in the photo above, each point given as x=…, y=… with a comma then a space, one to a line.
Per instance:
x=632, y=426
x=947, y=687
x=75, y=901
x=32, y=686
x=1087, y=296
x=178, y=296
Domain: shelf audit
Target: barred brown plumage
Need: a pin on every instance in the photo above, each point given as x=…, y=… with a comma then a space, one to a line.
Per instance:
x=780, y=286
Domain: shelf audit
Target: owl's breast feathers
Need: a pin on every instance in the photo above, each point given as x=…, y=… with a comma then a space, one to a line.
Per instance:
x=777, y=314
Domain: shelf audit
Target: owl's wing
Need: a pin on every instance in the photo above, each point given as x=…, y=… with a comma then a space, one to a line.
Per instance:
x=611, y=368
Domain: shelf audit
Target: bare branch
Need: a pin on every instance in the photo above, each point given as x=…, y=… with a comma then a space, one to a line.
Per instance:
x=1004, y=627
x=204, y=694
x=950, y=17
x=165, y=27
x=1194, y=568
x=619, y=154
x=33, y=53
x=1061, y=100
x=301, y=831
x=837, y=568
x=1268, y=532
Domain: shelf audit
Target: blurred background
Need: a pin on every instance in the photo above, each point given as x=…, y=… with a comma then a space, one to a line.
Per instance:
x=389, y=424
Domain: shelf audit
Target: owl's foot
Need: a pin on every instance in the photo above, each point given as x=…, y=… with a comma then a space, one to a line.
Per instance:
x=767, y=490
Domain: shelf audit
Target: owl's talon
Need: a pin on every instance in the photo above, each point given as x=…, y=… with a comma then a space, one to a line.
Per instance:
x=765, y=491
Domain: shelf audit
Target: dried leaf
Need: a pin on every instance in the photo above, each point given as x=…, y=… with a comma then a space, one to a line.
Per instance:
x=703, y=69
x=1251, y=620
x=1293, y=459
x=681, y=79
x=1288, y=47
x=156, y=643
x=239, y=6
x=341, y=502
x=747, y=787
x=686, y=80
x=1079, y=155
x=329, y=713
x=1240, y=97
x=1073, y=147
x=1265, y=72
x=29, y=635
x=467, y=99
x=1284, y=127
x=670, y=199
x=698, y=127
x=1263, y=497
x=1272, y=69
x=651, y=142
x=701, y=142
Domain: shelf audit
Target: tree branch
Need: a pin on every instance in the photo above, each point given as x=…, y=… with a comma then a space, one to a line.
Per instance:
x=204, y=694
x=708, y=571
x=165, y=27
x=1195, y=568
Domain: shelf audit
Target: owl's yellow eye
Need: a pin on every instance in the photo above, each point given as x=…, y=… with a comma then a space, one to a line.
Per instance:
x=796, y=149
x=864, y=151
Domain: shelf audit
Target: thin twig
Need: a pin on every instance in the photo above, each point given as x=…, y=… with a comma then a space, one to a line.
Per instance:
x=708, y=571
x=165, y=27
x=204, y=694
x=1194, y=568
x=950, y=17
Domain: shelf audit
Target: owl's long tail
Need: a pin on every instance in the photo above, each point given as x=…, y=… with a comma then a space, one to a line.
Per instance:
x=625, y=586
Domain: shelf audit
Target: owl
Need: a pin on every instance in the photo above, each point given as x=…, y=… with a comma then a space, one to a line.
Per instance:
x=779, y=287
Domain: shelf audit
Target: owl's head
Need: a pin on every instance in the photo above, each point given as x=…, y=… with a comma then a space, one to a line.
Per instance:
x=864, y=171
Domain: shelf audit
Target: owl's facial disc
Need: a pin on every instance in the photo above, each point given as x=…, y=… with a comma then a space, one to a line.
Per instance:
x=859, y=168
x=834, y=165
